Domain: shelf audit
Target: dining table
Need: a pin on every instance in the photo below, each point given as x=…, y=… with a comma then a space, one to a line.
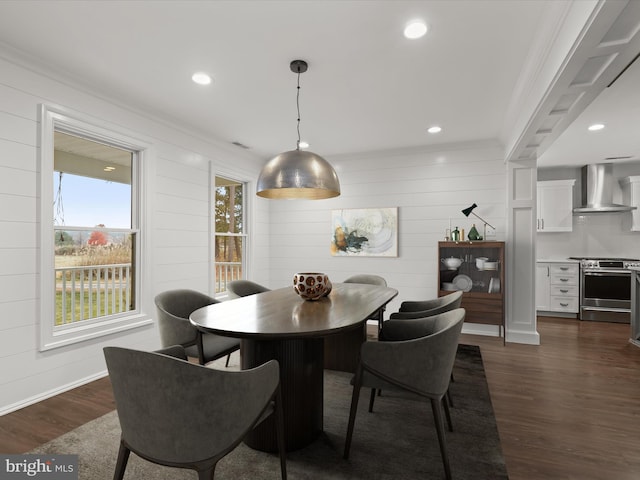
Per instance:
x=279, y=324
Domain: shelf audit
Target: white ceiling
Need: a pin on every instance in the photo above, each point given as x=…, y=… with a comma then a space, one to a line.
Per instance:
x=368, y=88
x=618, y=108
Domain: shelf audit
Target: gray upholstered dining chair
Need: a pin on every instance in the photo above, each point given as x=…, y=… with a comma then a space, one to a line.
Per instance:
x=167, y=421
x=244, y=288
x=174, y=308
x=418, y=356
x=371, y=280
x=428, y=308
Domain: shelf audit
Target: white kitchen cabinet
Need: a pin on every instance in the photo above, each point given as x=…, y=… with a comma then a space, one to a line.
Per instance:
x=543, y=285
x=631, y=196
x=635, y=306
x=557, y=287
x=555, y=206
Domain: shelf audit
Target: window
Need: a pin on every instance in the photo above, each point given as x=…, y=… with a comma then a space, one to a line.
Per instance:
x=230, y=241
x=91, y=262
x=92, y=229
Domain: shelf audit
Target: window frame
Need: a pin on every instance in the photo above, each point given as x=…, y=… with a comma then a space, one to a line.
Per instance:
x=246, y=185
x=52, y=336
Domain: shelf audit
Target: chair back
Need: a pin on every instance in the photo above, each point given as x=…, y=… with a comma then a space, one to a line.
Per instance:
x=428, y=308
x=449, y=302
x=244, y=288
x=176, y=351
x=174, y=308
x=423, y=364
x=371, y=280
x=367, y=279
x=173, y=411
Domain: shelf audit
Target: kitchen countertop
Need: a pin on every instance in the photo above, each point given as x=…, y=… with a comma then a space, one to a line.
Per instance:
x=557, y=260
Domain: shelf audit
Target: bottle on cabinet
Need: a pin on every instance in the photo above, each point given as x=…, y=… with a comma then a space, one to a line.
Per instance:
x=473, y=233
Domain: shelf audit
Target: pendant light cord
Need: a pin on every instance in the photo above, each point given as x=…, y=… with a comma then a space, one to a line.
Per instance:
x=298, y=107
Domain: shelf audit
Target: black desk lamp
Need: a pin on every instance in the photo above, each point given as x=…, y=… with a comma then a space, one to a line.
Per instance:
x=469, y=210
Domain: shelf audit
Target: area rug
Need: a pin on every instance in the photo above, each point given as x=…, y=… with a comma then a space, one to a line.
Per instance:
x=397, y=441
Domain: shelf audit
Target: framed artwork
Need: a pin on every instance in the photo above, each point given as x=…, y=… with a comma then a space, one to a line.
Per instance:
x=364, y=232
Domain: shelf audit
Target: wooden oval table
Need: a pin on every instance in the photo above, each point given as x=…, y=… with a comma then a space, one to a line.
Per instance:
x=280, y=325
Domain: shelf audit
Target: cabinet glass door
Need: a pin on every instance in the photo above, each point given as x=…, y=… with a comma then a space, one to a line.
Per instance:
x=471, y=268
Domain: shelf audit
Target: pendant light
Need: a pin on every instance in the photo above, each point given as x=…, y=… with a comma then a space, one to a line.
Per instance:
x=298, y=173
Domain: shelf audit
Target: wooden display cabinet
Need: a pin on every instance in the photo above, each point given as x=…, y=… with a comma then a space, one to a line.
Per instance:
x=484, y=288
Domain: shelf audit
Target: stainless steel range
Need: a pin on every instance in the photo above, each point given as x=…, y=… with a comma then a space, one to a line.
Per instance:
x=605, y=288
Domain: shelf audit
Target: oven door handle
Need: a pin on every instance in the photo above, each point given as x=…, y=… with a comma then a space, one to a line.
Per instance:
x=603, y=271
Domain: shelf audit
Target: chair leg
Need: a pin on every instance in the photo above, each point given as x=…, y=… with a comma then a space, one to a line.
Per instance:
x=121, y=463
x=282, y=451
x=448, y=394
x=200, y=343
x=447, y=413
x=227, y=362
x=437, y=417
x=352, y=413
x=372, y=398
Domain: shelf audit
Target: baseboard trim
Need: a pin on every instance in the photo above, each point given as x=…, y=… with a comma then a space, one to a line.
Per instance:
x=545, y=313
x=481, y=329
x=51, y=393
x=528, y=338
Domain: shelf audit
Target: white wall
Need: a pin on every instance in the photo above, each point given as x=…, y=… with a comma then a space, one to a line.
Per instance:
x=177, y=210
x=429, y=186
x=594, y=235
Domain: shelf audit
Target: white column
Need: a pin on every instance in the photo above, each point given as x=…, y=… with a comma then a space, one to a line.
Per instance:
x=521, y=253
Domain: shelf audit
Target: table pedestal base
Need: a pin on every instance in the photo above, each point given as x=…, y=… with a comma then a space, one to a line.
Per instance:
x=342, y=350
x=301, y=377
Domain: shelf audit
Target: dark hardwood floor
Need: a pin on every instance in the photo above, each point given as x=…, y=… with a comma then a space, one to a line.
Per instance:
x=567, y=409
x=25, y=429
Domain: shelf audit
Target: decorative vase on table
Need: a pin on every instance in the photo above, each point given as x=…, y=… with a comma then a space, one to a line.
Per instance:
x=473, y=233
x=312, y=286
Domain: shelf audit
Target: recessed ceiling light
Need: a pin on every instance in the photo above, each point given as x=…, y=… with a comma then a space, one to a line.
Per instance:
x=434, y=129
x=595, y=127
x=303, y=145
x=109, y=169
x=201, y=78
x=415, y=29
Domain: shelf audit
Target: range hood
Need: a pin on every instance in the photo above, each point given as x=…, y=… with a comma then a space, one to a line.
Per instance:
x=597, y=190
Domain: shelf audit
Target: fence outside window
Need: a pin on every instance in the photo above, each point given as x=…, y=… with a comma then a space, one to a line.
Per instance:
x=85, y=292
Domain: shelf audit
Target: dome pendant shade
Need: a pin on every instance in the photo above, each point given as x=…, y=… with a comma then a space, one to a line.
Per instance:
x=298, y=174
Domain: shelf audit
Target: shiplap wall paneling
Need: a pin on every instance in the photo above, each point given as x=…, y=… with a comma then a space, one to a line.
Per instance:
x=176, y=238
x=428, y=186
